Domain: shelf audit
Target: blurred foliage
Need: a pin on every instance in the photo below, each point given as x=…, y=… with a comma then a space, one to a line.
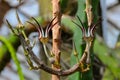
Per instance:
x=13, y=55
x=4, y=52
x=110, y=58
x=45, y=8
x=69, y=7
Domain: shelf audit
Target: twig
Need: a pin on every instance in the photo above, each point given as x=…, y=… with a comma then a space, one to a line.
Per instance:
x=41, y=65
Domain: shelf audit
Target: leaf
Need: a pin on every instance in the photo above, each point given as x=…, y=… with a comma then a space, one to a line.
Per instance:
x=13, y=55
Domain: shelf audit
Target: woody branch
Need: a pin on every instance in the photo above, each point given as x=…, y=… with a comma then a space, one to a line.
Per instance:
x=56, y=33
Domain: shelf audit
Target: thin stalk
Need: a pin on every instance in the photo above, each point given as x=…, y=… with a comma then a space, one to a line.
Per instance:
x=90, y=19
x=46, y=53
x=89, y=12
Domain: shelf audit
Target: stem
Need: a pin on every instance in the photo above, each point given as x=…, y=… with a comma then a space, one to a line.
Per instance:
x=46, y=53
x=87, y=49
x=89, y=74
x=89, y=12
x=90, y=19
x=56, y=36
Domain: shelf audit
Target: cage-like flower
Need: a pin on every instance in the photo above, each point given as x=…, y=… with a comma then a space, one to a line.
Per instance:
x=44, y=35
x=89, y=33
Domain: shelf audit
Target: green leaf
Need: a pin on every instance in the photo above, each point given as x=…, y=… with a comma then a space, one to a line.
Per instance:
x=13, y=55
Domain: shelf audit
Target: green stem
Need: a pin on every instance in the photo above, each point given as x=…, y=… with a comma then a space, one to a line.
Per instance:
x=13, y=55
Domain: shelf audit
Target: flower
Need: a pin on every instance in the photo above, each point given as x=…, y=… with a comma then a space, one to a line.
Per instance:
x=44, y=35
x=89, y=33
